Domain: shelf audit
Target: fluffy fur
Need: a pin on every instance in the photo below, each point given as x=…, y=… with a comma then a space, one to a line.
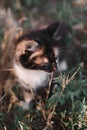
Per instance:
x=31, y=78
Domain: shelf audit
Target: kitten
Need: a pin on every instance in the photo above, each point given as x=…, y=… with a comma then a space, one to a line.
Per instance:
x=38, y=54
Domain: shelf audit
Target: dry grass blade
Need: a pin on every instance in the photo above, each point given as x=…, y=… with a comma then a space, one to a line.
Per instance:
x=13, y=100
x=5, y=128
x=1, y=98
x=12, y=69
x=48, y=91
x=67, y=80
x=50, y=115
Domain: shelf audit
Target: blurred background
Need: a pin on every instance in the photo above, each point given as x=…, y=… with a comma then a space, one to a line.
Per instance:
x=35, y=14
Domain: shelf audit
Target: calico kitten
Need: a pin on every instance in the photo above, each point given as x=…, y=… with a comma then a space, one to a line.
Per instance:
x=38, y=54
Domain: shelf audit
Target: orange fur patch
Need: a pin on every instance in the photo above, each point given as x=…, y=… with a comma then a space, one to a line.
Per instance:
x=38, y=53
x=22, y=46
x=41, y=60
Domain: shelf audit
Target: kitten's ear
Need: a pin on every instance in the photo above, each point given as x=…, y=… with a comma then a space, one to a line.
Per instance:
x=58, y=30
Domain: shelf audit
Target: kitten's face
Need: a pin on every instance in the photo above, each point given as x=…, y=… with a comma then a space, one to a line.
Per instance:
x=36, y=55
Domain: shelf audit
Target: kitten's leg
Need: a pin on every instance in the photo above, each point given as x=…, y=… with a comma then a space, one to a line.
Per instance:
x=28, y=97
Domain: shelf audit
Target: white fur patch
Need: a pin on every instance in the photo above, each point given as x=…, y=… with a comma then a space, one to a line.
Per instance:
x=31, y=78
x=62, y=65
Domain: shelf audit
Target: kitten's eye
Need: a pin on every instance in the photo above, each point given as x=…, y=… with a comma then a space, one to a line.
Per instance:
x=27, y=52
x=28, y=46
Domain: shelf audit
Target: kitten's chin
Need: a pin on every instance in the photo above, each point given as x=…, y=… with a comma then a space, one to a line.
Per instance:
x=29, y=78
